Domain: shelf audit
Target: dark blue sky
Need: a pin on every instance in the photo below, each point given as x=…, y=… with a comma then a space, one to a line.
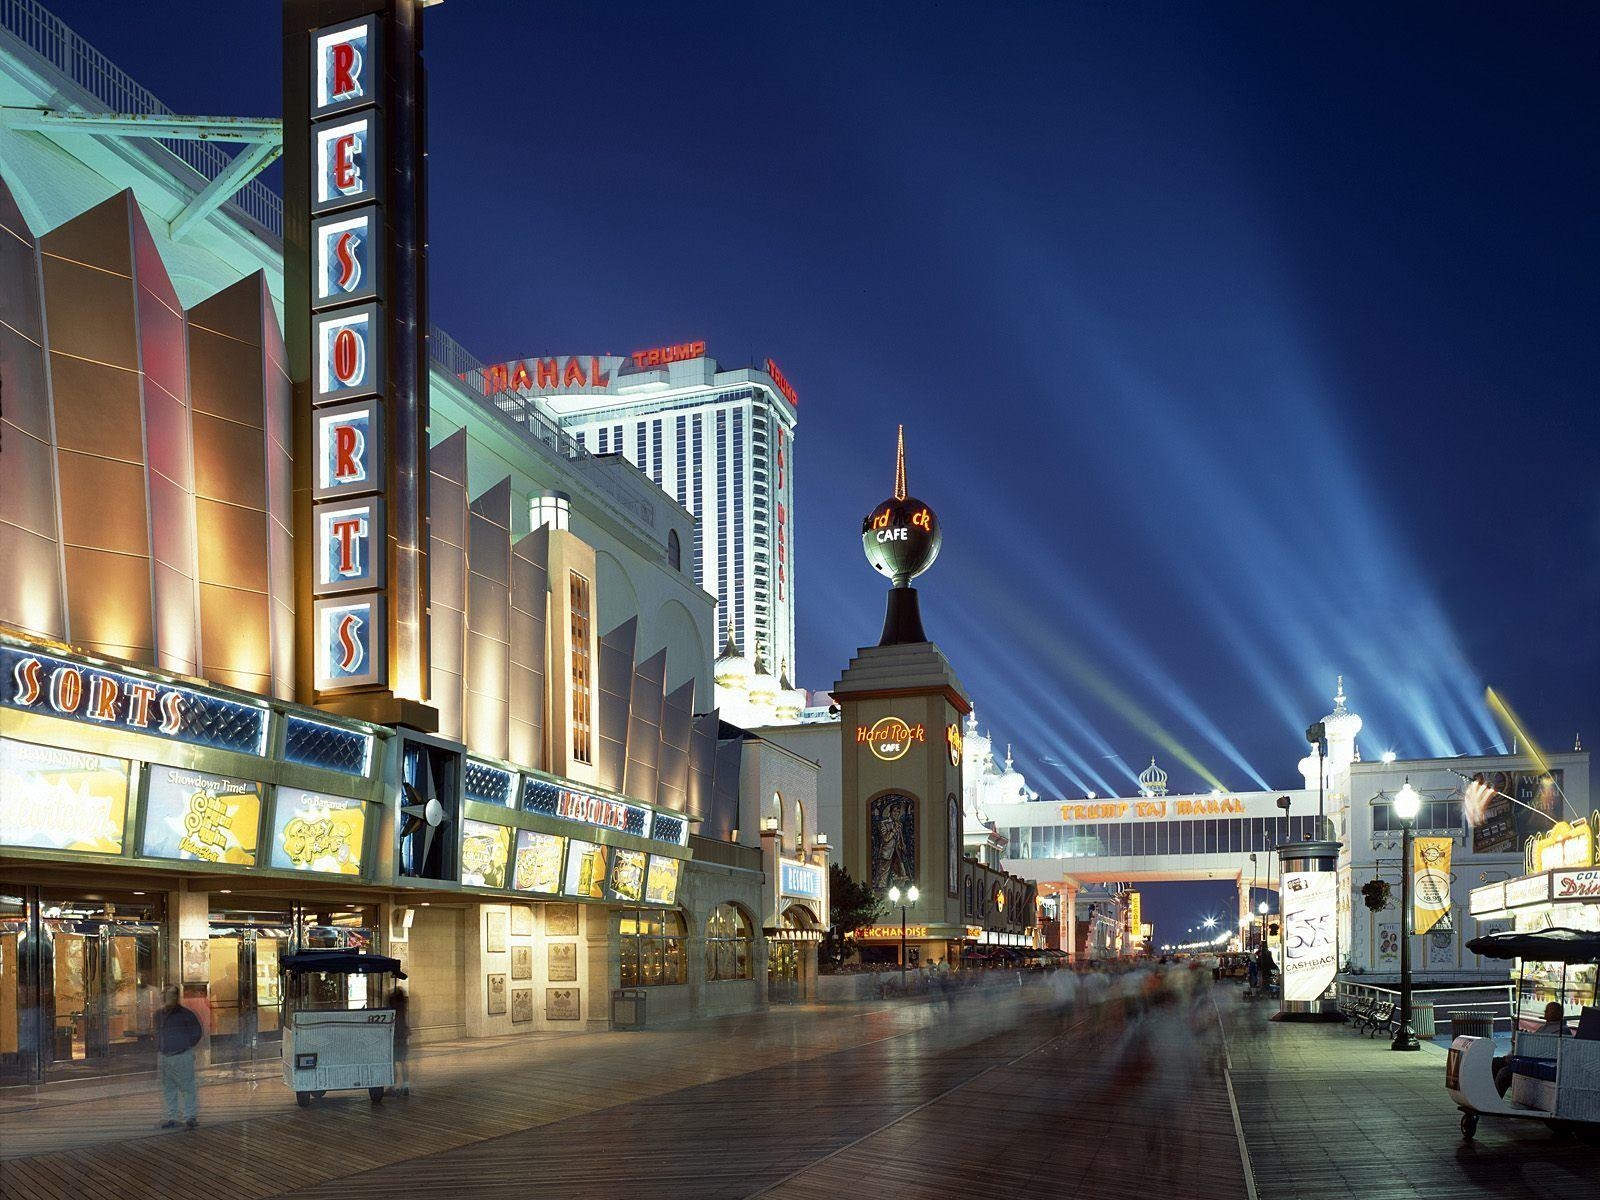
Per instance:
x=1238, y=345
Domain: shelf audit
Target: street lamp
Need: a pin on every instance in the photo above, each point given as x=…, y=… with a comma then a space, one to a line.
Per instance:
x=910, y=897
x=1406, y=806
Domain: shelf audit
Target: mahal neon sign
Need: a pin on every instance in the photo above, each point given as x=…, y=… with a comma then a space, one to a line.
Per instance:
x=545, y=374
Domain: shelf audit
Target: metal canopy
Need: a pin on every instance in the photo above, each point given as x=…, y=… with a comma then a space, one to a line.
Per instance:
x=261, y=137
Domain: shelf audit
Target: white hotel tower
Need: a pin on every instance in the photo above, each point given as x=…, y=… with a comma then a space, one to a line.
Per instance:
x=720, y=442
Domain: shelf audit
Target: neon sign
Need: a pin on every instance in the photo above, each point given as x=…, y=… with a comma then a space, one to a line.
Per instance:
x=784, y=385
x=660, y=356
x=952, y=737
x=546, y=374
x=890, y=738
x=60, y=688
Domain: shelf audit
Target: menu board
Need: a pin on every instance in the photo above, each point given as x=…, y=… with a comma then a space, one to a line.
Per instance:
x=313, y=832
x=62, y=799
x=627, y=874
x=586, y=870
x=197, y=817
x=661, y=885
x=538, y=866
x=484, y=850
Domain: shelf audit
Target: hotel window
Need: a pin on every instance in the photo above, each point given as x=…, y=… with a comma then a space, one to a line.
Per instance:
x=582, y=671
x=674, y=551
x=727, y=944
x=652, y=943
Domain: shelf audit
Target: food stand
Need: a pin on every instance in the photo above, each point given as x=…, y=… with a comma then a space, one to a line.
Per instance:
x=1560, y=887
x=1553, y=1077
x=337, y=1036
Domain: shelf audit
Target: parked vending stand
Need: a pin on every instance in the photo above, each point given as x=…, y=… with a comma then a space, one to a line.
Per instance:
x=1552, y=1078
x=336, y=1032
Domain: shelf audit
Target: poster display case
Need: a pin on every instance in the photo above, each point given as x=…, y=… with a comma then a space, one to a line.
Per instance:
x=194, y=816
x=314, y=832
x=485, y=849
x=57, y=799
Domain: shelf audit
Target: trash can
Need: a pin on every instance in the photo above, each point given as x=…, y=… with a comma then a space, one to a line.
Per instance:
x=1422, y=1023
x=1471, y=1023
x=627, y=1008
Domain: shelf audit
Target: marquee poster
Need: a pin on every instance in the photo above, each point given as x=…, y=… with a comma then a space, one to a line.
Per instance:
x=1310, y=957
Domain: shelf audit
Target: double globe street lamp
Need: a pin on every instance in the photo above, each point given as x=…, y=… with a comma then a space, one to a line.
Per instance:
x=909, y=896
x=1407, y=803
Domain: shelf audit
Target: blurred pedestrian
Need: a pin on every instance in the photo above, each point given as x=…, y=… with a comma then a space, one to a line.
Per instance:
x=177, y=1033
x=401, y=1003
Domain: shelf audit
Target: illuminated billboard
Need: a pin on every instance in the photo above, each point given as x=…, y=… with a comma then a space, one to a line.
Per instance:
x=484, y=851
x=196, y=817
x=313, y=832
x=538, y=863
x=55, y=799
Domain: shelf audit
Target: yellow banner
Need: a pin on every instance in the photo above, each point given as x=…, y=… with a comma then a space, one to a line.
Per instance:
x=1134, y=923
x=1430, y=882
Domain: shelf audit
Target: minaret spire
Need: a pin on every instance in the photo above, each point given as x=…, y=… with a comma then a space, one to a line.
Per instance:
x=900, y=466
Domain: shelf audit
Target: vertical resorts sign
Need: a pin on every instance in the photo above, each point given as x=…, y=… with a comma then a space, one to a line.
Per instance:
x=356, y=317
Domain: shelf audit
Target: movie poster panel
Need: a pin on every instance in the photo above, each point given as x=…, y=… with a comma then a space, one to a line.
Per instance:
x=484, y=851
x=661, y=887
x=586, y=870
x=196, y=817
x=538, y=866
x=55, y=799
x=313, y=832
x=627, y=875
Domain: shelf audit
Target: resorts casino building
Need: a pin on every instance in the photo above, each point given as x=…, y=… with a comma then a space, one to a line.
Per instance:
x=570, y=819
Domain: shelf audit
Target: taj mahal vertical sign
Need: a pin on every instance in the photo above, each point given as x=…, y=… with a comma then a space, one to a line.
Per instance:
x=355, y=313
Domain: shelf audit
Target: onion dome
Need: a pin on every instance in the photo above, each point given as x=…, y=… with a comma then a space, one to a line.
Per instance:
x=1010, y=787
x=732, y=669
x=1153, y=780
x=1341, y=725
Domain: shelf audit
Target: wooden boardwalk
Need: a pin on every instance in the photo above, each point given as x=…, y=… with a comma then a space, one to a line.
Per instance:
x=1331, y=1115
x=1014, y=1092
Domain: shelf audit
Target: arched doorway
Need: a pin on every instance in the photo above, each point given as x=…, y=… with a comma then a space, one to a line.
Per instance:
x=792, y=955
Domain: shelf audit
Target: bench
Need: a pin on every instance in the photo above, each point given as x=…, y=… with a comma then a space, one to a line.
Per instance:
x=1383, y=1019
x=1358, y=1011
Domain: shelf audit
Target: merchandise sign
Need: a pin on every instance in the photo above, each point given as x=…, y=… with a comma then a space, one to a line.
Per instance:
x=354, y=305
x=59, y=687
x=53, y=799
x=552, y=800
x=799, y=879
x=193, y=816
x=1310, y=899
x=1430, y=882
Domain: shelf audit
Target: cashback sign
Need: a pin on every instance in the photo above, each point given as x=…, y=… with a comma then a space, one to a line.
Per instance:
x=1310, y=952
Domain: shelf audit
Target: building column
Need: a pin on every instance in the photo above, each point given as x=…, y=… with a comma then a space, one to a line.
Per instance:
x=1069, y=913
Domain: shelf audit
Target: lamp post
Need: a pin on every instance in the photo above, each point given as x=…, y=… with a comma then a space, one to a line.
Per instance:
x=910, y=897
x=1406, y=806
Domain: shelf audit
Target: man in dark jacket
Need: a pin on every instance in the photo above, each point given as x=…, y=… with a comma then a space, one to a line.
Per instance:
x=177, y=1034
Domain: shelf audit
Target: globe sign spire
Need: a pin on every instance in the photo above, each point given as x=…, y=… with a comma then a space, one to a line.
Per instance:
x=901, y=538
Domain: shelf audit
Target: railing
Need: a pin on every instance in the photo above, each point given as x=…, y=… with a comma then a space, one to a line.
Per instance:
x=1446, y=1001
x=48, y=36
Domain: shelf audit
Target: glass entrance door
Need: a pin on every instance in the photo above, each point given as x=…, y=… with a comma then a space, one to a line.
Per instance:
x=105, y=986
x=783, y=972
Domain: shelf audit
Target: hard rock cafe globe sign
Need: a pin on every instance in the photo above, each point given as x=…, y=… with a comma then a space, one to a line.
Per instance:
x=901, y=538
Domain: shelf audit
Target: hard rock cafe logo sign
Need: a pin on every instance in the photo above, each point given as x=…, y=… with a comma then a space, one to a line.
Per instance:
x=952, y=737
x=890, y=738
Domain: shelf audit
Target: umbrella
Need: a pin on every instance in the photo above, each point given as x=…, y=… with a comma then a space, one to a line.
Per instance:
x=341, y=962
x=1544, y=945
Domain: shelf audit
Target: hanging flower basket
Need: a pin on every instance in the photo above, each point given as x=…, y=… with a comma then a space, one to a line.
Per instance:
x=1375, y=894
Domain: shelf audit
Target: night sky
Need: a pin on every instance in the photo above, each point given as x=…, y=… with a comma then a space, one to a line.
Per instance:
x=1237, y=345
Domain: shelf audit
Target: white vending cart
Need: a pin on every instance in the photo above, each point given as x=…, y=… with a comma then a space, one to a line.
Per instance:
x=338, y=1031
